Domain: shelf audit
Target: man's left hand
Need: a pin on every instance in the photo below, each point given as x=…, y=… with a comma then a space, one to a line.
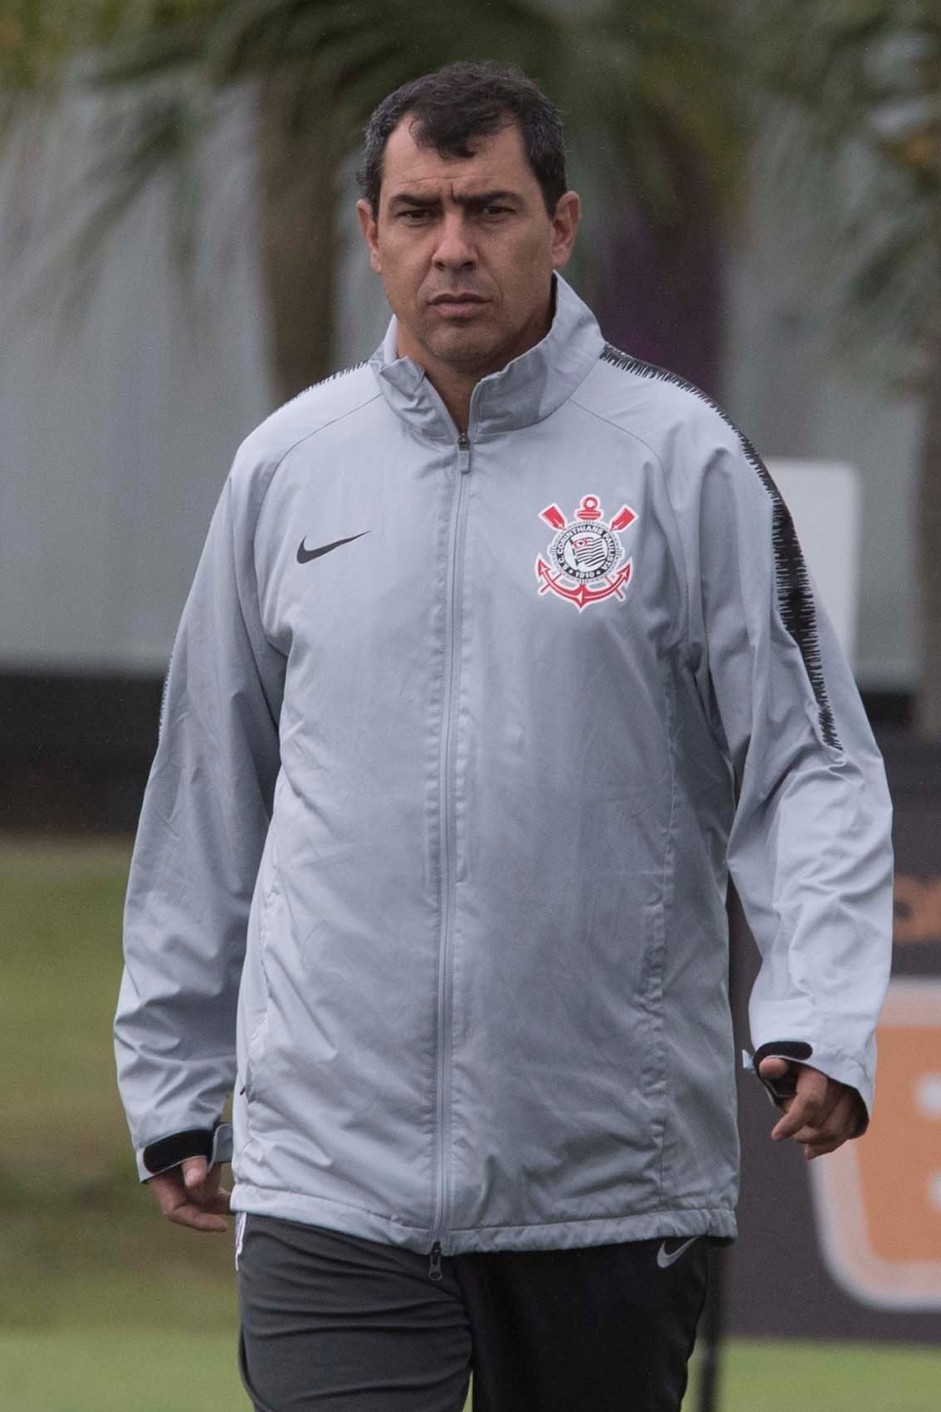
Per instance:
x=822, y=1114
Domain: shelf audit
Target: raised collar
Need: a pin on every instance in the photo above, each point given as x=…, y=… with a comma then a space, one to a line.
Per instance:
x=528, y=389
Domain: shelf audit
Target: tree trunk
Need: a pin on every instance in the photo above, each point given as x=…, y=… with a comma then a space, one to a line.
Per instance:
x=298, y=151
x=928, y=704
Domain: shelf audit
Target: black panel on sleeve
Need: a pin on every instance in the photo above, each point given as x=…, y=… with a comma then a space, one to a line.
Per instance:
x=786, y=1086
x=171, y=1151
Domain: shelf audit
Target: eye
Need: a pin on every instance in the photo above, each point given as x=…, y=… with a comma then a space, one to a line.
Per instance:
x=494, y=211
x=414, y=215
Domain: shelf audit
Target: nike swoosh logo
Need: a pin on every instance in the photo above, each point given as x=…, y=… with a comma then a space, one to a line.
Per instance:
x=305, y=555
x=666, y=1258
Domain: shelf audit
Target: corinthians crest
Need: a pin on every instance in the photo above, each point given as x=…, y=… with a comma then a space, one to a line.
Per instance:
x=585, y=555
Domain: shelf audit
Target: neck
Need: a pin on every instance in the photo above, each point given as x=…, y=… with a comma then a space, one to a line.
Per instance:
x=455, y=392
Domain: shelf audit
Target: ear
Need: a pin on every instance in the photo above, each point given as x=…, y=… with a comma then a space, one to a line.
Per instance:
x=369, y=226
x=568, y=213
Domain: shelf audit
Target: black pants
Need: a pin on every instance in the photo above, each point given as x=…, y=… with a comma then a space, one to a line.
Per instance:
x=332, y=1323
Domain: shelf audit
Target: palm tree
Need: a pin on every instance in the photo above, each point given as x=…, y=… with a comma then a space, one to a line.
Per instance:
x=643, y=84
x=857, y=85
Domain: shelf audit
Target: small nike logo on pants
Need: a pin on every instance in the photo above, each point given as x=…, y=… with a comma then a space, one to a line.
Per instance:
x=305, y=555
x=666, y=1258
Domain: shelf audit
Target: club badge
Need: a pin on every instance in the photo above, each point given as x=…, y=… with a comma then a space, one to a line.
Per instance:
x=585, y=555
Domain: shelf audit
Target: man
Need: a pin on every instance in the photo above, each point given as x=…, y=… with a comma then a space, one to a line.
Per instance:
x=501, y=649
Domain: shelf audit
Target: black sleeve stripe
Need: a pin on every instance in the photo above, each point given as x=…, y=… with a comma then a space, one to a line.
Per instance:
x=795, y=598
x=331, y=377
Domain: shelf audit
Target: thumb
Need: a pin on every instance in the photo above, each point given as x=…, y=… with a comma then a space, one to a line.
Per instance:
x=779, y=1077
x=195, y=1171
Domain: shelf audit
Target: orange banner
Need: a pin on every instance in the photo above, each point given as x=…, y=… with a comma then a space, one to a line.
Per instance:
x=878, y=1200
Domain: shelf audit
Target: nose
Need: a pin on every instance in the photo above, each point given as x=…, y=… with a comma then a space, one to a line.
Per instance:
x=455, y=249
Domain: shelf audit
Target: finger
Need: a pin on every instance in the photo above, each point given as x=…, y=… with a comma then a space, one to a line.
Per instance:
x=840, y=1124
x=820, y=1149
x=171, y=1194
x=221, y=1200
x=804, y=1109
x=827, y=1117
x=847, y=1121
x=195, y=1172
x=202, y=1184
x=822, y=1132
x=827, y=1142
x=196, y=1218
x=167, y=1190
x=779, y=1076
x=209, y=1197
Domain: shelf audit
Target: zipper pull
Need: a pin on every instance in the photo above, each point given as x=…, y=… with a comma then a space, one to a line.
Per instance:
x=463, y=448
x=434, y=1262
x=463, y=441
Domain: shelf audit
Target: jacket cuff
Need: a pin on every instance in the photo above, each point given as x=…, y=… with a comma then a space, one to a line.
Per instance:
x=830, y=1063
x=215, y=1144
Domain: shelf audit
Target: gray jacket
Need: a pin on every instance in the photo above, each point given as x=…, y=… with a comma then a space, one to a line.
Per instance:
x=460, y=737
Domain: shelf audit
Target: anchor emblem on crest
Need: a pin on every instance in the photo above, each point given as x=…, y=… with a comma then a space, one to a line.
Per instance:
x=585, y=555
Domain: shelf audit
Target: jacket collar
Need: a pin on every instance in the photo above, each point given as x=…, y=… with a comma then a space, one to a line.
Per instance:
x=528, y=389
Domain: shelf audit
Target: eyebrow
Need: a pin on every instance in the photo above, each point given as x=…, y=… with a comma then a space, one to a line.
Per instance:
x=471, y=202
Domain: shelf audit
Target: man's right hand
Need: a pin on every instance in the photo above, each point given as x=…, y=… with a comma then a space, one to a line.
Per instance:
x=191, y=1195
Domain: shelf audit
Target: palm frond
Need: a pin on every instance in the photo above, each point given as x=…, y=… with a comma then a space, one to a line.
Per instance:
x=645, y=76
x=851, y=92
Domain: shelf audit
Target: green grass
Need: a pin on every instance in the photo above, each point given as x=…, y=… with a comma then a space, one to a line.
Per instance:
x=104, y=1307
x=60, y=966
x=760, y=1376
x=81, y=1244
x=102, y=1371
x=111, y=1372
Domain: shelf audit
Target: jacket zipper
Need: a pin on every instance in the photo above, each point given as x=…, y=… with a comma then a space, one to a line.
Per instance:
x=441, y=1214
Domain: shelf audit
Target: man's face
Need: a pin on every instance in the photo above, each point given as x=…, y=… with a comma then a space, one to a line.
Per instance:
x=466, y=250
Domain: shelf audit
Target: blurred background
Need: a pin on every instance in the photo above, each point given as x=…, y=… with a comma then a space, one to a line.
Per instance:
x=177, y=257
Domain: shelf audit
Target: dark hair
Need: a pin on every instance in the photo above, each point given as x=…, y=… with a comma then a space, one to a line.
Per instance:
x=463, y=101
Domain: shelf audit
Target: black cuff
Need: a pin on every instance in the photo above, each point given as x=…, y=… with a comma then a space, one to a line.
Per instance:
x=171, y=1151
x=797, y=1050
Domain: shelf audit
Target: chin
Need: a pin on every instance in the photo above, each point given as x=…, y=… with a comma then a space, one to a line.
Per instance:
x=467, y=355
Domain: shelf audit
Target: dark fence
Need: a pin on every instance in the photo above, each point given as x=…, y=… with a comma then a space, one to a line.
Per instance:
x=75, y=751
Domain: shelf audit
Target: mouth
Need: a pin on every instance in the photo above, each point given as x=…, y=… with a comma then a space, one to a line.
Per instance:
x=457, y=302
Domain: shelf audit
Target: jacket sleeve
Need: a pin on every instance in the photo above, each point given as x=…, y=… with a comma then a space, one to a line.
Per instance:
x=810, y=846
x=202, y=829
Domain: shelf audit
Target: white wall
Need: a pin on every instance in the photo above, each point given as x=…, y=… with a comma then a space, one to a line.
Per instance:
x=116, y=431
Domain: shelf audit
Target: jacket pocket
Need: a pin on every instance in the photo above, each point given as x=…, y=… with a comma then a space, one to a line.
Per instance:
x=257, y=999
